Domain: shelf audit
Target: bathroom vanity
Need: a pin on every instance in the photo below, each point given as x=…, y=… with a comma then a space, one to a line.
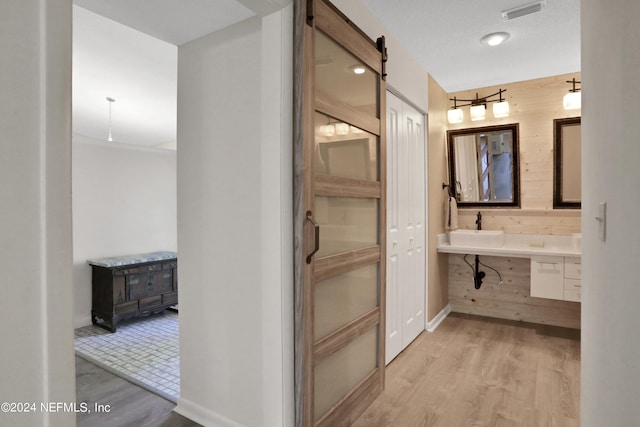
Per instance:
x=556, y=277
x=132, y=286
x=540, y=275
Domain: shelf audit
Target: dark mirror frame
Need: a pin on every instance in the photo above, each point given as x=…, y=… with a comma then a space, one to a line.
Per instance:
x=513, y=127
x=558, y=202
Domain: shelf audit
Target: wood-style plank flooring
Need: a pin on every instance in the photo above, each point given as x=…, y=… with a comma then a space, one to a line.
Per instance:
x=130, y=405
x=479, y=371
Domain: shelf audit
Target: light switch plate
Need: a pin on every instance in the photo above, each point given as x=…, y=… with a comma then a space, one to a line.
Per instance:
x=602, y=221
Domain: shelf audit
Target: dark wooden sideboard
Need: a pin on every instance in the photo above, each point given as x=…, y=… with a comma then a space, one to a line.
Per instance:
x=132, y=286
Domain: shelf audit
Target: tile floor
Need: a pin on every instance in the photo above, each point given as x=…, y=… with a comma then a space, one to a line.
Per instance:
x=144, y=351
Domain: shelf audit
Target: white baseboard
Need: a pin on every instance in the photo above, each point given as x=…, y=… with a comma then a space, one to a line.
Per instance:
x=432, y=325
x=203, y=416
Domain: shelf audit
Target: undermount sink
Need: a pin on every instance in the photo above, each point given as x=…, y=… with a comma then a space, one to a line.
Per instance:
x=477, y=238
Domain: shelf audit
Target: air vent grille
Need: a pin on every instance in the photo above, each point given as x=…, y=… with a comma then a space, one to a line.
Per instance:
x=526, y=9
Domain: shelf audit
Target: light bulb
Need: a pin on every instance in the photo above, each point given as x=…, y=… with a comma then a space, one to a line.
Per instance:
x=477, y=112
x=572, y=101
x=501, y=109
x=455, y=115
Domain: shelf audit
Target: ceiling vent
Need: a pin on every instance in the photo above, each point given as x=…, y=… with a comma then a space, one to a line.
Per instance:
x=523, y=10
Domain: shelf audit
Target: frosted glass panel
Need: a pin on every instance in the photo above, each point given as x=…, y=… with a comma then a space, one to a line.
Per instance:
x=344, y=150
x=346, y=224
x=344, y=298
x=337, y=75
x=338, y=374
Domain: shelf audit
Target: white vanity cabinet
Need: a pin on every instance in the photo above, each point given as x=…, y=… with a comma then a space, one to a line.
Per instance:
x=547, y=277
x=555, y=277
x=572, y=280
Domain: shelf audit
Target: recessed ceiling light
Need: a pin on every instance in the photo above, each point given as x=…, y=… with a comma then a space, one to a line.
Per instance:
x=358, y=69
x=494, y=39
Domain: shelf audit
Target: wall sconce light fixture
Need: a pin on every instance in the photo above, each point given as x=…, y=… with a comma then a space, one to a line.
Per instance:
x=477, y=112
x=573, y=99
x=478, y=107
x=455, y=115
x=334, y=128
x=342, y=128
x=327, y=130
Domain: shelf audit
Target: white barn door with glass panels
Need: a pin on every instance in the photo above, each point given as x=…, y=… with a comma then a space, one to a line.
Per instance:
x=406, y=230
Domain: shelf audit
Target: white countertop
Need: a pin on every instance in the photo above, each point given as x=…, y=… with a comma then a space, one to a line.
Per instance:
x=520, y=246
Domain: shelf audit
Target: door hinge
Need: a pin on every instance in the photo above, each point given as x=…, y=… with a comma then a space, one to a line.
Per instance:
x=382, y=47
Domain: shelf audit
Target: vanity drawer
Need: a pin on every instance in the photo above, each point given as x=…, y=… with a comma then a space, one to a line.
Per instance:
x=572, y=268
x=572, y=290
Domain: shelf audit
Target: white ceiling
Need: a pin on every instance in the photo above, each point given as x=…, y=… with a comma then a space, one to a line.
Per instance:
x=127, y=50
x=444, y=36
x=173, y=21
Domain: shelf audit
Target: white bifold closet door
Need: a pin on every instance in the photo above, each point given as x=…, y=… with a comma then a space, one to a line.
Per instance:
x=406, y=229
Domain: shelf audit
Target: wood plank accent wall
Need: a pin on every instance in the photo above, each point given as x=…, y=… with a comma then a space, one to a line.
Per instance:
x=534, y=105
x=510, y=300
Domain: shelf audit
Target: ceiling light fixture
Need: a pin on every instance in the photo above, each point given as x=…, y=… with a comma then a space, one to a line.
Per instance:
x=111, y=101
x=358, y=69
x=478, y=107
x=494, y=39
x=573, y=99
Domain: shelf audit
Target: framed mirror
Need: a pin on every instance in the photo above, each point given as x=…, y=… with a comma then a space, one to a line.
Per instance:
x=483, y=166
x=567, y=153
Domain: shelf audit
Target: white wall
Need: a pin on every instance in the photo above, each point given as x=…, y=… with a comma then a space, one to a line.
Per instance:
x=234, y=224
x=405, y=75
x=35, y=235
x=610, y=383
x=124, y=202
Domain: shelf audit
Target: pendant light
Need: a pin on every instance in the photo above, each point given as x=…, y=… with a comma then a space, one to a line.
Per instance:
x=111, y=101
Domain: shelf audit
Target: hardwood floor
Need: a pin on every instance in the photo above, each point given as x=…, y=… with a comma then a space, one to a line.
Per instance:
x=479, y=371
x=472, y=371
x=130, y=405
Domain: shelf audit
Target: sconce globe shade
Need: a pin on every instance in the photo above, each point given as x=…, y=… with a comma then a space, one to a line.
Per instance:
x=477, y=112
x=455, y=115
x=501, y=109
x=494, y=39
x=327, y=130
x=572, y=101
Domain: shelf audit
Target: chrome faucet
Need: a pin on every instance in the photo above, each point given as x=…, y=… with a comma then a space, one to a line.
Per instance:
x=479, y=220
